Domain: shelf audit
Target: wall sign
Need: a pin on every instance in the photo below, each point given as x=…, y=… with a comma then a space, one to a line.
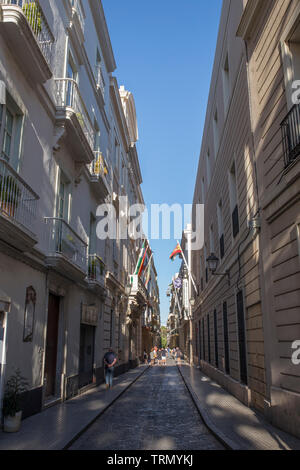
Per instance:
x=89, y=315
x=29, y=315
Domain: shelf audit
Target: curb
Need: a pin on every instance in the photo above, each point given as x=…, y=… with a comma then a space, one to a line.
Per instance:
x=86, y=427
x=219, y=435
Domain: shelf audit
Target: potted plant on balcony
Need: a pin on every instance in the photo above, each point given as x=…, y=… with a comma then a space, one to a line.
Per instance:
x=33, y=14
x=12, y=411
x=9, y=195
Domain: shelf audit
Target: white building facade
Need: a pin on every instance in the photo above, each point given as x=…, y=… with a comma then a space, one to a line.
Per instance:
x=67, y=143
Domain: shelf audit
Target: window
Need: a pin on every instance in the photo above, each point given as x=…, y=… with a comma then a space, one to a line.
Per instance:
x=63, y=198
x=234, y=201
x=226, y=339
x=221, y=229
x=211, y=239
x=208, y=168
x=208, y=339
x=216, y=133
x=216, y=339
x=203, y=339
x=93, y=242
x=203, y=190
x=290, y=47
x=11, y=125
x=226, y=83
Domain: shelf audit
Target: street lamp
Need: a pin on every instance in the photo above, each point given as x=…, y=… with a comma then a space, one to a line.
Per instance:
x=212, y=262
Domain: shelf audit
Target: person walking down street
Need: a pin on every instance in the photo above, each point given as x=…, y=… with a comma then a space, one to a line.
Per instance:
x=152, y=357
x=164, y=357
x=178, y=356
x=145, y=357
x=110, y=360
x=155, y=354
x=159, y=357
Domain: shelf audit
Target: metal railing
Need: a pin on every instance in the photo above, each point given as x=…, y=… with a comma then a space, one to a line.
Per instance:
x=17, y=200
x=63, y=240
x=99, y=79
x=37, y=22
x=290, y=128
x=77, y=8
x=96, y=269
x=68, y=96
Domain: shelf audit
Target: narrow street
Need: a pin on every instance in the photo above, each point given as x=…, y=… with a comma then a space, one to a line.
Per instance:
x=163, y=417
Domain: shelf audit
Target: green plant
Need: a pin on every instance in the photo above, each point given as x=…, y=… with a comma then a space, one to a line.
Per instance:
x=15, y=386
x=34, y=17
x=80, y=119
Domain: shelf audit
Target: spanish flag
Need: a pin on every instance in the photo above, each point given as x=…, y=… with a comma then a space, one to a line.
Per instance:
x=176, y=252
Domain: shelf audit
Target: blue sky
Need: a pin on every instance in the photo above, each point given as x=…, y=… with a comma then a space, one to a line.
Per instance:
x=164, y=51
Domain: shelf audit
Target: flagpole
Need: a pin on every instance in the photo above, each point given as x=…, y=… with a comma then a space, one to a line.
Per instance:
x=188, y=268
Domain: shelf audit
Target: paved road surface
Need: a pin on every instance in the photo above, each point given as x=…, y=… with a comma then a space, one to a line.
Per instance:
x=156, y=413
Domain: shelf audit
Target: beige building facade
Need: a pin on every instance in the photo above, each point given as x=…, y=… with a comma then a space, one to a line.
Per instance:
x=246, y=315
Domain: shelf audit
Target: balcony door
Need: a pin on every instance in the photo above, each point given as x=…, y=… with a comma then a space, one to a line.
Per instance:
x=73, y=75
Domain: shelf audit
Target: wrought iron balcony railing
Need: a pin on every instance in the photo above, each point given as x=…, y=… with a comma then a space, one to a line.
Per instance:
x=37, y=22
x=63, y=240
x=68, y=96
x=290, y=128
x=96, y=270
x=17, y=200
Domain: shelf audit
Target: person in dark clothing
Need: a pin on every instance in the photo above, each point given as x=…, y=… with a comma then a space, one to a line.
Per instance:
x=110, y=360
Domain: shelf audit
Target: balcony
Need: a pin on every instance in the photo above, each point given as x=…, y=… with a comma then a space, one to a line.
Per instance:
x=18, y=207
x=72, y=115
x=138, y=289
x=66, y=251
x=26, y=32
x=96, y=274
x=290, y=128
x=99, y=176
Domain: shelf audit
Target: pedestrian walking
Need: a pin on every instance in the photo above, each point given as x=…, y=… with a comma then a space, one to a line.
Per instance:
x=110, y=360
x=178, y=356
x=145, y=357
x=164, y=357
x=159, y=357
x=152, y=357
x=155, y=354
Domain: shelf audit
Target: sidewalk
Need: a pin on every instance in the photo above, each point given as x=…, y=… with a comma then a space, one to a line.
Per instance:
x=239, y=427
x=56, y=427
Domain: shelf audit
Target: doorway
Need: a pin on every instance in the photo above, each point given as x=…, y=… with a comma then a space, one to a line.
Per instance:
x=87, y=353
x=51, y=346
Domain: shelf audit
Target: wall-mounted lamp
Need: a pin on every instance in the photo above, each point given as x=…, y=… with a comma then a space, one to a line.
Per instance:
x=212, y=262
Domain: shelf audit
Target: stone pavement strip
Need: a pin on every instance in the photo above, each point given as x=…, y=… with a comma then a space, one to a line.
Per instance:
x=239, y=427
x=56, y=427
x=156, y=413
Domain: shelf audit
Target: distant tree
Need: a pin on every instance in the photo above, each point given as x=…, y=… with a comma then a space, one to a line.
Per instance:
x=163, y=334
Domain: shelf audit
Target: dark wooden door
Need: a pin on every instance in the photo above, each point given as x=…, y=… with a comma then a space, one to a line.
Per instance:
x=51, y=345
x=87, y=352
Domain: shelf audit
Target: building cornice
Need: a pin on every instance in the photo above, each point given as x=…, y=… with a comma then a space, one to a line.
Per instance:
x=249, y=18
x=103, y=34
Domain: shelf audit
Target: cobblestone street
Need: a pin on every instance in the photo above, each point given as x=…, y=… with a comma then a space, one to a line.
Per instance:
x=156, y=413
